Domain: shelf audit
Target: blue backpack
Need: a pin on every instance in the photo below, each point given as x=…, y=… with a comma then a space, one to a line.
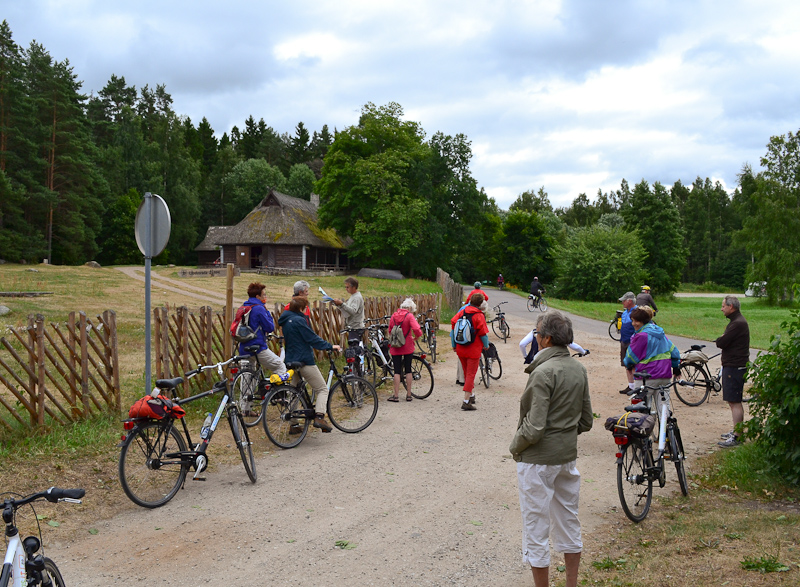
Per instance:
x=464, y=329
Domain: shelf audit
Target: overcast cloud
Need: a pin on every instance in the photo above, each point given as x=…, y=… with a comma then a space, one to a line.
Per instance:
x=572, y=95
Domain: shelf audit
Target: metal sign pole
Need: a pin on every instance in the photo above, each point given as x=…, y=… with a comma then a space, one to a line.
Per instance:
x=148, y=239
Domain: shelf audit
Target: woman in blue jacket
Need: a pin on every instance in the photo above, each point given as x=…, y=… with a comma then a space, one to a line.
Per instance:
x=299, y=342
x=260, y=320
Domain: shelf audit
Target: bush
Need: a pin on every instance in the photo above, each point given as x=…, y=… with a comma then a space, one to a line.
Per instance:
x=599, y=264
x=775, y=403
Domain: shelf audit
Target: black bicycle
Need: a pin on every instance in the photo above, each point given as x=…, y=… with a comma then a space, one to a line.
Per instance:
x=289, y=408
x=154, y=458
x=500, y=327
x=379, y=367
x=427, y=342
x=536, y=302
x=615, y=326
x=695, y=372
x=22, y=565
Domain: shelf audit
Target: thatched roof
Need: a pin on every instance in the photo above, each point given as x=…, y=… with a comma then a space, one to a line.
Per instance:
x=211, y=241
x=281, y=220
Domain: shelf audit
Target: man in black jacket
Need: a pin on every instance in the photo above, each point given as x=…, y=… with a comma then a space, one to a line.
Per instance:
x=735, y=345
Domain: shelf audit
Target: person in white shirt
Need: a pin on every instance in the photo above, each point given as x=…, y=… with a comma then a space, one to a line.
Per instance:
x=530, y=339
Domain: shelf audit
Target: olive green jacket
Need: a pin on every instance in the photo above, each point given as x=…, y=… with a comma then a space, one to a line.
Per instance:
x=554, y=408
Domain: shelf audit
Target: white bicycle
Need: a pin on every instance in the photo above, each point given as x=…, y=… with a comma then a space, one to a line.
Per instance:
x=22, y=567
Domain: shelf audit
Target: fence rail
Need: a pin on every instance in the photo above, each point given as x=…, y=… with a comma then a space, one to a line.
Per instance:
x=64, y=373
x=185, y=338
x=453, y=292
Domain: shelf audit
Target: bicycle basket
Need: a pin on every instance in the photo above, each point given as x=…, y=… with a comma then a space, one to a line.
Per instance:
x=155, y=408
x=632, y=423
x=491, y=352
x=694, y=357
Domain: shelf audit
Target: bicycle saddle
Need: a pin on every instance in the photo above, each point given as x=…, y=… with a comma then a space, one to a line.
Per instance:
x=252, y=348
x=169, y=383
x=698, y=347
x=294, y=365
x=640, y=408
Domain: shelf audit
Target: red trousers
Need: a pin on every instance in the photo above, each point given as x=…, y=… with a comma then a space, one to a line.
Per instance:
x=470, y=367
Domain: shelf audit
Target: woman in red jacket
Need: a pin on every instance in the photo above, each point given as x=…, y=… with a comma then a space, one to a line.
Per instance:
x=470, y=354
x=401, y=356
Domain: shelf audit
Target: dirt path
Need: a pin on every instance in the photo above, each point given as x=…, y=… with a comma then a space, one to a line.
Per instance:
x=427, y=495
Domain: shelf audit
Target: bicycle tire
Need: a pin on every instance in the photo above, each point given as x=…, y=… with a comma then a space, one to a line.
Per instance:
x=352, y=404
x=147, y=478
x=634, y=487
x=678, y=456
x=432, y=345
x=531, y=305
x=698, y=393
x=496, y=371
x=423, y=378
x=502, y=330
x=370, y=368
x=278, y=405
x=242, y=440
x=613, y=331
x=423, y=340
x=243, y=392
x=485, y=379
x=51, y=570
x=543, y=305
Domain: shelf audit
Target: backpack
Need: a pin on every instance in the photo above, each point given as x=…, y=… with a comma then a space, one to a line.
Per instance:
x=397, y=337
x=240, y=327
x=155, y=408
x=464, y=329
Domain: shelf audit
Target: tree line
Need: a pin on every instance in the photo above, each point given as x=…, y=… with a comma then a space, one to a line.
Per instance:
x=73, y=168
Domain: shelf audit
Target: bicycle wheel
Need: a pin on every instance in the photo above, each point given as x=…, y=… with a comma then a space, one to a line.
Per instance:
x=496, y=368
x=697, y=393
x=613, y=331
x=352, y=404
x=150, y=467
x=370, y=368
x=543, y=305
x=634, y=487
x=432, y=344
x=243, y=392
x=677, y=455
x=531, y=305
x=487, y=381
x=423, y=378
x=278, y=422
x=51, y=571
x=422, y=343
x=242, y=440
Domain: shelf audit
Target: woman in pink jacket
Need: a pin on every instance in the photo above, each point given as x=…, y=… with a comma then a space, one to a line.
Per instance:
x=401, y=356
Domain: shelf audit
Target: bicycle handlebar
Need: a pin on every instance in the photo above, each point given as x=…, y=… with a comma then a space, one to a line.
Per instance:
x=53, y=495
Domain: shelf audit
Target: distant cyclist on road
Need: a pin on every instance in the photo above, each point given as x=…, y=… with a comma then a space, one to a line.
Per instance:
x=537, y=289
x=645, y=299
x=500, y=281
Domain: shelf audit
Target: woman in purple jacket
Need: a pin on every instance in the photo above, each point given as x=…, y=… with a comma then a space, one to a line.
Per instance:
x=651, y=351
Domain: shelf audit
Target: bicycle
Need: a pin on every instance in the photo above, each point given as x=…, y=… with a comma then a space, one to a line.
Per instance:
x=535, y=302
x=615, y=327
x=502, y=330
x=154, y=458
x=637, y=469
x=251, y=386
x=428, y=337
x=695, y=372
x=21, y=565
x=490, y=366
x=379, y=366
x=288, y=408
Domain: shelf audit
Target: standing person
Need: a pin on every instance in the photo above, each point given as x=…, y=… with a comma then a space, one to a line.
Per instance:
x=735, y=345
x=537, y=289
x=401, y=356
x=353, y=311
x=625, y=333
x=469, y=354
x=650, y=351
x=554, y=409
x=530, y=339
x=645, y=299
x=260, y=320
x=300, y=290
x=477, y=286
x=300, y=340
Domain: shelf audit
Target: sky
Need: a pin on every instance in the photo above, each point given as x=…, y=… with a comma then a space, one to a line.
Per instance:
x=572, y=96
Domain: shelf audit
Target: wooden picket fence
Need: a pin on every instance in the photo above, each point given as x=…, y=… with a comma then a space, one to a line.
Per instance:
x=184, y=338
x=61, y=373
x=453, y=292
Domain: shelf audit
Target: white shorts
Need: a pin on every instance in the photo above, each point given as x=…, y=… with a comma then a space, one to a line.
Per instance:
x=548, y=499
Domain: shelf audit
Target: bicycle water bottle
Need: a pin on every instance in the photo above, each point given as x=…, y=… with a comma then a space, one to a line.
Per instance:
x=206, y=426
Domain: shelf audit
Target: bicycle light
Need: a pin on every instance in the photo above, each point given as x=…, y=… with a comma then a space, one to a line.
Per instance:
x=234, y=370
x=128, y=425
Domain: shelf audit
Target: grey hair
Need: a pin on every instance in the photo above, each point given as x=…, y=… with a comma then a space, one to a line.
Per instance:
x=557, y=326
x=300, y=286
x=408, y=304
x=733, y=302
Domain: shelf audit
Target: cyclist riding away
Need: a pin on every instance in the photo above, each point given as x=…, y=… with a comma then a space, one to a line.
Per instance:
x=537, y=289
x=500, y=281
x=645, y=299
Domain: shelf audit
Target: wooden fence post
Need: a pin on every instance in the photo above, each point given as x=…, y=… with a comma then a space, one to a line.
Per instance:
x=228, y=311
x=73, y=384
x=32, y=379
x=40, y=380
x=111, y=320
x=84, y=363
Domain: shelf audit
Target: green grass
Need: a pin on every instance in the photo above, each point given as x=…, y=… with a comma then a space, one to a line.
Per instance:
x=698, y=318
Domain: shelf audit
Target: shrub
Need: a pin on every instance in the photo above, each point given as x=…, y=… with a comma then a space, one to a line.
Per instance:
x=775, y=403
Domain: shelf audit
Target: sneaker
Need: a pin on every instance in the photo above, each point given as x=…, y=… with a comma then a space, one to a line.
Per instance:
x=726, y=435
x=319, y=422
x=468, y=407
x=729, y=442
x=625, y=390
x=472, y=399
x=459, y=382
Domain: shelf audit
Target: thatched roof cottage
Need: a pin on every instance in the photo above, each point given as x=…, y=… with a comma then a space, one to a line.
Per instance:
x=281, y=232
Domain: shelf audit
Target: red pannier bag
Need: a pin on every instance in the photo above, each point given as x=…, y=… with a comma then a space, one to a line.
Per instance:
x=155, y=408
